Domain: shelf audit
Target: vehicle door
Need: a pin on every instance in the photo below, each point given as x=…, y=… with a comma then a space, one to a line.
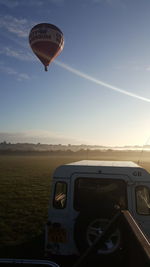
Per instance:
x=94, y=200
x=141, y=206
x=58, y=230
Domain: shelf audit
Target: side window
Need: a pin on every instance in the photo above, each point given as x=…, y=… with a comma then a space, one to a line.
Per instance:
x=143, y=200
x=60, y=195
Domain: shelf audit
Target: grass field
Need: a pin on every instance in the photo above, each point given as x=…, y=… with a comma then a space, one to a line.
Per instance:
x=25, y=182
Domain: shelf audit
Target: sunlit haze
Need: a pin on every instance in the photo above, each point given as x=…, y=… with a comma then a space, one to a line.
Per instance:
x=96, y=92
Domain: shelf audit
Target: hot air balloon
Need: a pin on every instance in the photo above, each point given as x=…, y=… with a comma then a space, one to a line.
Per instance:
x=46, y=41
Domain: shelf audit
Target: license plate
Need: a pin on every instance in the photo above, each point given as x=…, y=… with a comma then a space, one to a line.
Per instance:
x=57, y=235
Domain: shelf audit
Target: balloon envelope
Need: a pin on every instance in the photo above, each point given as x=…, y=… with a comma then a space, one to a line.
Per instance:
x=46, y=41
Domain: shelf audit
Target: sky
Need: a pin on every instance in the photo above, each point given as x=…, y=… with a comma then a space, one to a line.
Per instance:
x=96, y=92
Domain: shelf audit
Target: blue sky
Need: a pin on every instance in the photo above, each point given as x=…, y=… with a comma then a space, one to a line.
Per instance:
x=98, y=89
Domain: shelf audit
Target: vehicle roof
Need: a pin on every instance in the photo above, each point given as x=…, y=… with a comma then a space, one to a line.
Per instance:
x=87, y=167
x=105, y=163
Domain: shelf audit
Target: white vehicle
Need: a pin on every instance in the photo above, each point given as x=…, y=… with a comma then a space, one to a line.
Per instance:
x=83, y=199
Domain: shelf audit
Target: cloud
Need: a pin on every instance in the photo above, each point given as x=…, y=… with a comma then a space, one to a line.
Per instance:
x=99, y=82
x=30, y=3
x=10, y=71
x=9, y=3
x=18, y=54
x=23, y=76
x=17, y=3
x=112, y=3
x=148, y=68
x=19, y=27
x=56, y=2
x=39, y=136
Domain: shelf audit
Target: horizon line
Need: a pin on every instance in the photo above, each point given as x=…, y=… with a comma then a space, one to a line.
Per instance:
x=59, y=144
